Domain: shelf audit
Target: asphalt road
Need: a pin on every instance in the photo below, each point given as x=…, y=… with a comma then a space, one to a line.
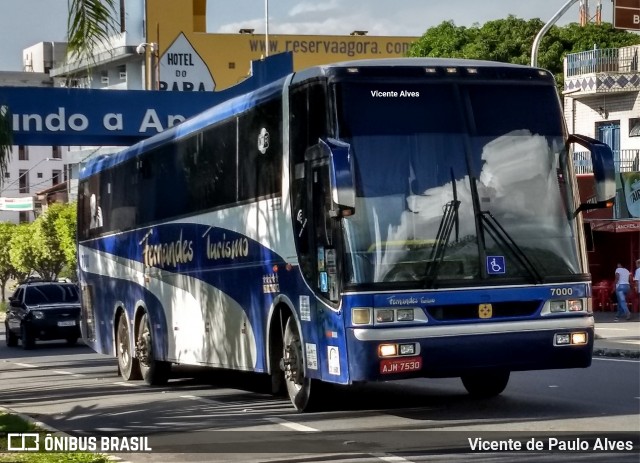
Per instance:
x=212, y=416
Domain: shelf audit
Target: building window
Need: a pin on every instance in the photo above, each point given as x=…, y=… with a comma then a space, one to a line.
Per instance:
x=634, y=127
x=39, y=174
x=232, y=65
x=23, y=153
x=7, y=175
x=56, y=177
x=24, y=217
x=56, y=152
x=24, y=181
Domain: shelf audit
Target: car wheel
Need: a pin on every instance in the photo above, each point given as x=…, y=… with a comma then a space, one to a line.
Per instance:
x=154, y=372
x=10, y=338
x=128, y=366
x=28, y=342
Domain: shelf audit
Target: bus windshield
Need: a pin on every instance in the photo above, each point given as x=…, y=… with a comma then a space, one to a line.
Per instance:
x=457, y=183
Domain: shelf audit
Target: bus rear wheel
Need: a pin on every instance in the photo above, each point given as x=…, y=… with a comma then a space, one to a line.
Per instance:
x=304, y=392
x=485, y=384
x=128, y=366
x=154, y=372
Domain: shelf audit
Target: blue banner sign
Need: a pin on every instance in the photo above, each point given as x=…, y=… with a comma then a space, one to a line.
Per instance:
x=69, y=116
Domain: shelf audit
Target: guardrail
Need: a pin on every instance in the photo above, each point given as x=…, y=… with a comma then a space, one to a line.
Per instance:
x=624, y=161
x=605, y=60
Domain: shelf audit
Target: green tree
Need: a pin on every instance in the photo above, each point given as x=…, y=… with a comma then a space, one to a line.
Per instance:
x=7, y=270
x=65, y=226
x=46, y=246
x=510, y=41
x=90, y=24
x=23, y=249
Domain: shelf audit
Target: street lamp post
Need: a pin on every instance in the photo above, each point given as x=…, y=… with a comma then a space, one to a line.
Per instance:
x=545, y=28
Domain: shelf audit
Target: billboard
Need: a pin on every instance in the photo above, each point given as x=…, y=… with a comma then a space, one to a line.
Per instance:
x=179, y=30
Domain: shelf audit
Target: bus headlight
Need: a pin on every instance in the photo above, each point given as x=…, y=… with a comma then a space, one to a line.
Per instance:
x=388, y=350
x=361, y=316
x=38, y=314
x=384, y=315
x=557, y=306
x=575, y=305
x=405, y=315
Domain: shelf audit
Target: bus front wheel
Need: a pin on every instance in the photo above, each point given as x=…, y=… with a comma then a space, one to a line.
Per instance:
x=154, y=372
x=485, y=384
x=304, y=392
x=128, y=366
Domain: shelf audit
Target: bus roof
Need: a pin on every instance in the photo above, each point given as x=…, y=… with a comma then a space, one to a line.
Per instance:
x=192, y=125
x=417, y=64
x=244, y=102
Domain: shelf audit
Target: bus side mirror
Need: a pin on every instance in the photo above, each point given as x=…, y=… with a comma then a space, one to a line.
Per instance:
x=337, y=156
x=343, y=193
x=603, y=172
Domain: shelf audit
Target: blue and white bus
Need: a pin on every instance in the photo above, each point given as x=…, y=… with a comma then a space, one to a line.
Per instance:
x=362, y=221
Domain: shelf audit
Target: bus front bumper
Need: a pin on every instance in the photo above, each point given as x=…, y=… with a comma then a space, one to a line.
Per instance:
x=456, y=349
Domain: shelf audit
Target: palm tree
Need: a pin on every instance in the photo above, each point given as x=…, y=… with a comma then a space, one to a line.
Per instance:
x=6, y=140
x=90, y=23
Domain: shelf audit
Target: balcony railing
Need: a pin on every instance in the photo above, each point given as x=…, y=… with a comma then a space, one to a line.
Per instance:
x=606, y=60
x=623, y=160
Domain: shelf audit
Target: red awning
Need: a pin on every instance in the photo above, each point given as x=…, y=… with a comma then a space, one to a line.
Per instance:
x=615, y=226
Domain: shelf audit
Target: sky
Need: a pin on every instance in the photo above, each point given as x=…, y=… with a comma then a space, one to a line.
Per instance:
x=27, y=22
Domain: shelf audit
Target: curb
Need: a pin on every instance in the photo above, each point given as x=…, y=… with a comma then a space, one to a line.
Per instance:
x=616, y=353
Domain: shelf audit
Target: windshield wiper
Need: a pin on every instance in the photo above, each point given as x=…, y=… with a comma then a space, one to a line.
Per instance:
x=449, y=219
x=500, y=235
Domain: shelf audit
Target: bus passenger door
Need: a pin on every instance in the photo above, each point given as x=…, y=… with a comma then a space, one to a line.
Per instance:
x=324, y=227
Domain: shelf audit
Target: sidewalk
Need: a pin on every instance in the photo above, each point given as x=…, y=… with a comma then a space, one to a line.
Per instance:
x=616, y=339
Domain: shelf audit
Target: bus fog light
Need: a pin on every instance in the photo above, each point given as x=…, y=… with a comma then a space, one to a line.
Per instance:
x=557, y=306
x=578, y=338
x=388, y=350
x=384, y=315
x=562, y=339
x=361, y=316
x=405, y=315
x=575, y=305
x=407, y=349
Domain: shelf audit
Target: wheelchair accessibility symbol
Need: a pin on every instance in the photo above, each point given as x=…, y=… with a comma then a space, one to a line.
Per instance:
x=496, y=265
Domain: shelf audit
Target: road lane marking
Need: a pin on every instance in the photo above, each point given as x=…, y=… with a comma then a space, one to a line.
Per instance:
x=69, y=373
x=26, y=365
x=124, y=383
x=292, y=425
x=391, y=458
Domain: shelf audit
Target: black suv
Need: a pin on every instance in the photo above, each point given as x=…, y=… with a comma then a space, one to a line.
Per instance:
x=43, y=310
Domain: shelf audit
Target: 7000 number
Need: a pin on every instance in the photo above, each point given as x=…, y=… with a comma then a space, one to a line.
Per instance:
x=561, y=291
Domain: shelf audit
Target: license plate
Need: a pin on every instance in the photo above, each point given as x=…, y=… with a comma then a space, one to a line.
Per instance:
x=67, y=323
x=400, y=365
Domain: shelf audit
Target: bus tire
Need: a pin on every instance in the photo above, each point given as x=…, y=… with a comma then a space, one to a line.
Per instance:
x=303, y=392
x=485, y=384
x=128, y=365
x=154, y=372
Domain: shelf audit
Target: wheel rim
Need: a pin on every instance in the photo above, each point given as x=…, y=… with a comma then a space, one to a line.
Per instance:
x=143, y=346
x=123, y=342
x=293, y=368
